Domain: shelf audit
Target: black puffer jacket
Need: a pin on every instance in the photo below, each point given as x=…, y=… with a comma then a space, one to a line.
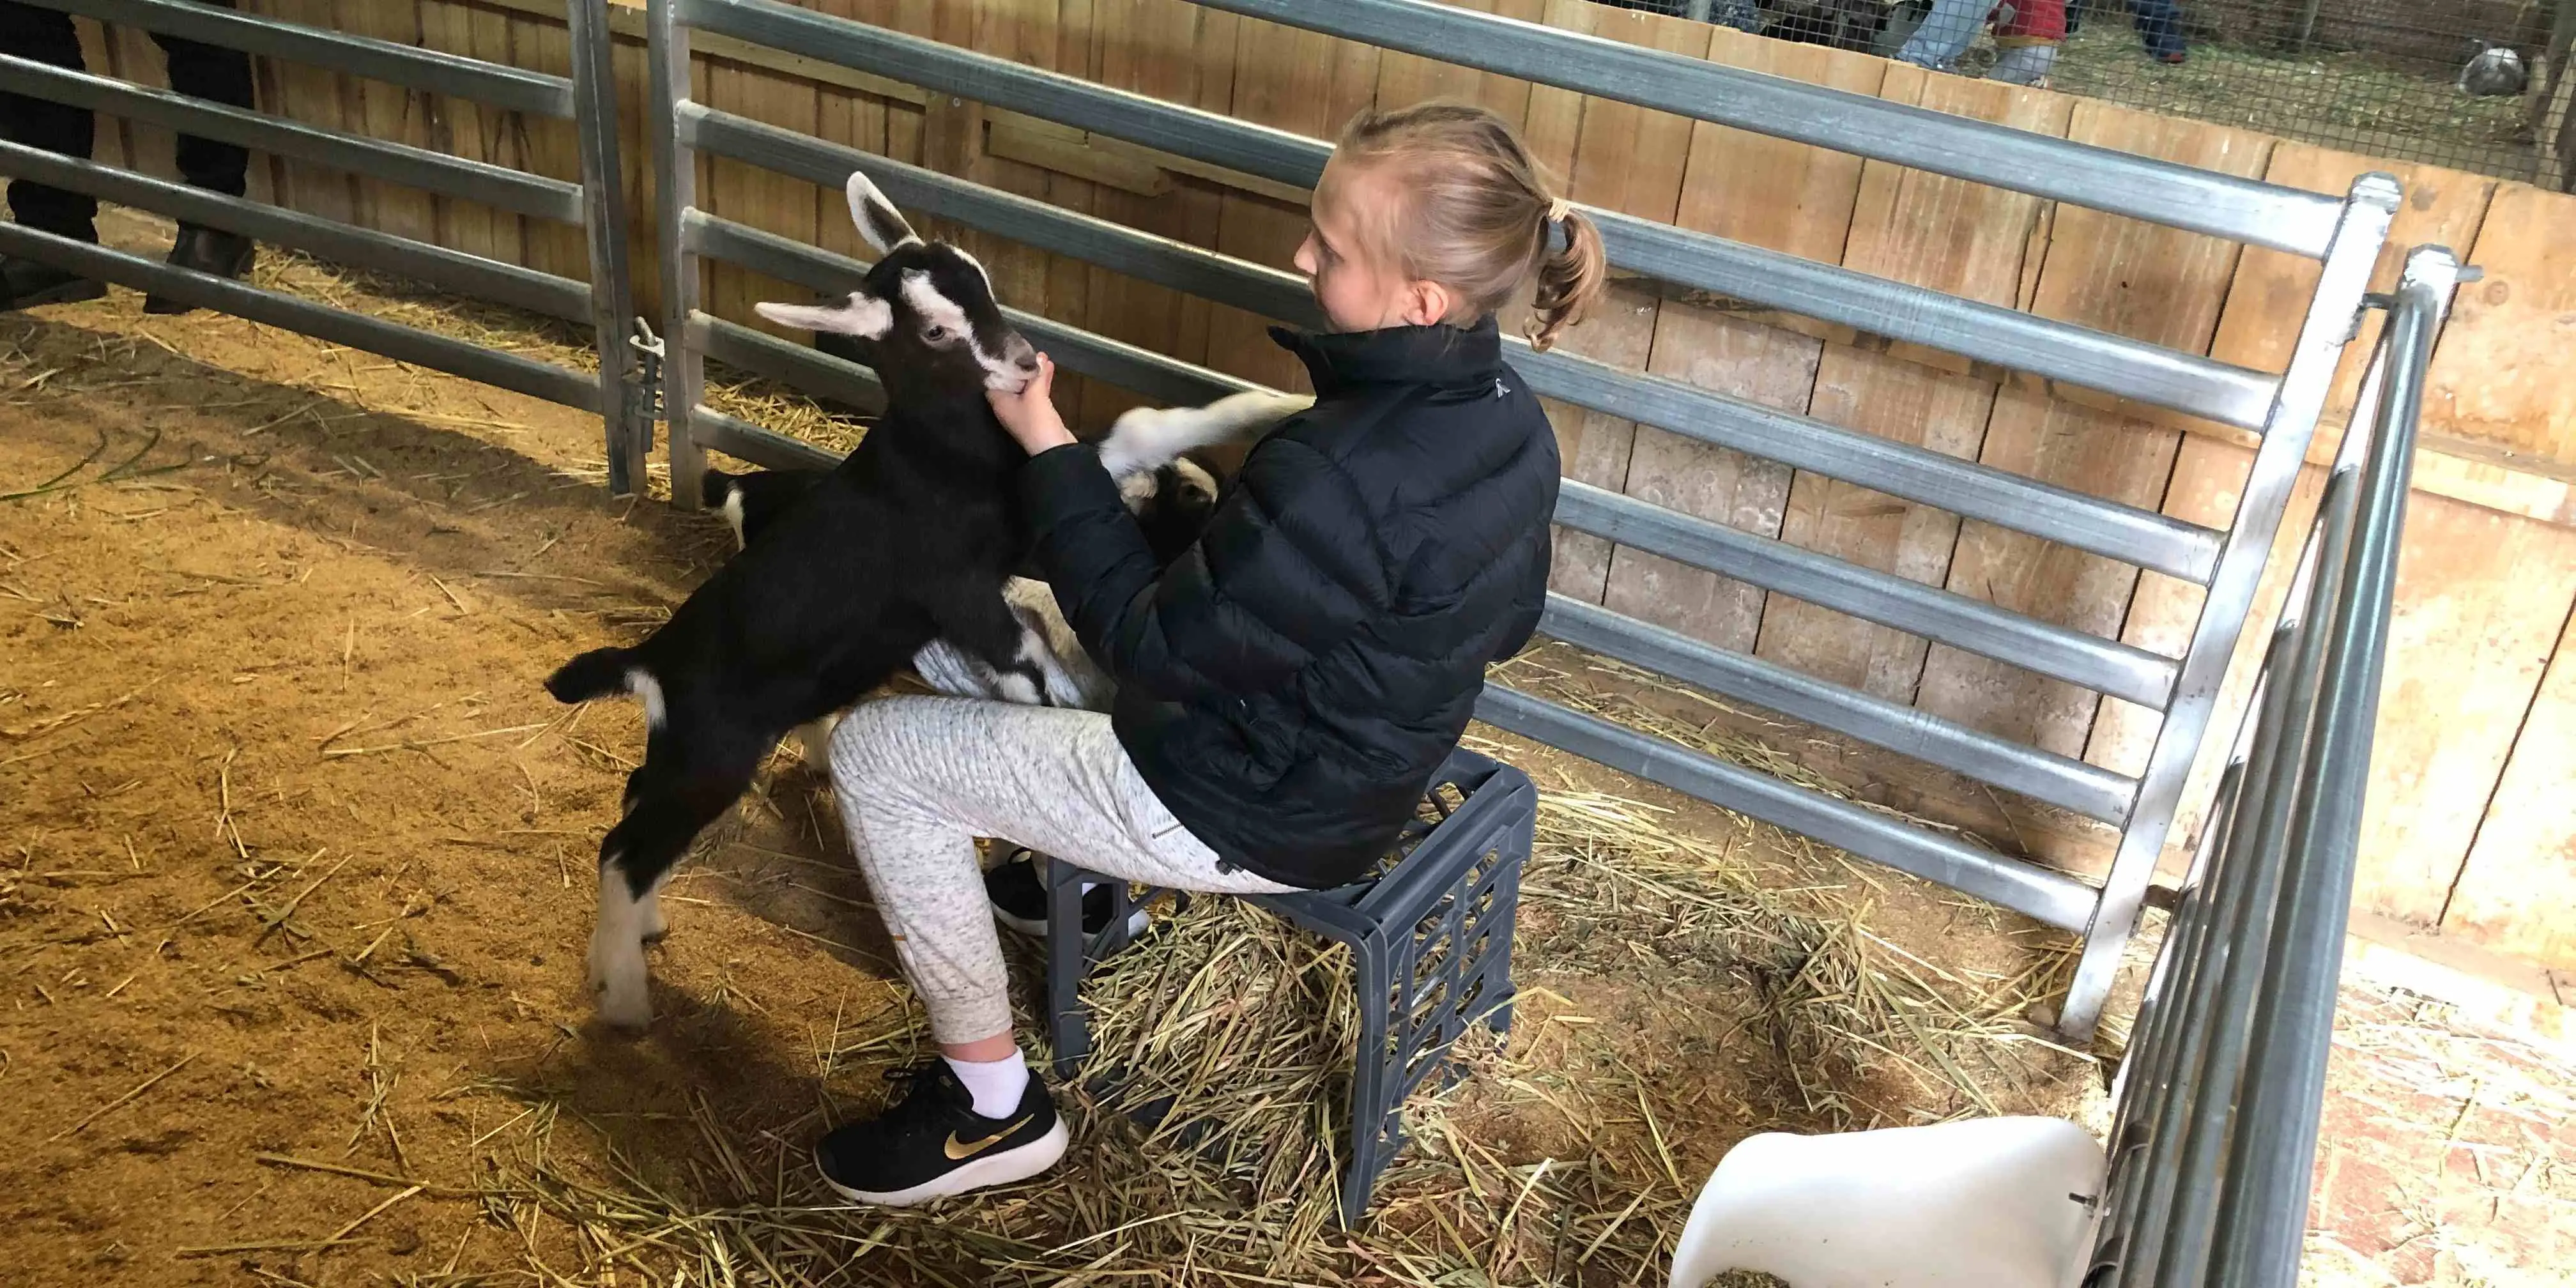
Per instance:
x=1290, y=684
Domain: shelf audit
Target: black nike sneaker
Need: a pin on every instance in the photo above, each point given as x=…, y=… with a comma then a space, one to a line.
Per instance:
x=932, y=1144
x=1019, y=900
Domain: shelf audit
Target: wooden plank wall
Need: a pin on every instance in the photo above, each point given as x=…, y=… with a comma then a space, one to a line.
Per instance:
x=2469, y=828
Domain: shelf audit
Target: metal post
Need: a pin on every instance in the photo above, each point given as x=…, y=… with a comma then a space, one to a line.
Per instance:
x=2274, y=1147
x=683, y=368
x=2332, y=315
x=612, y=293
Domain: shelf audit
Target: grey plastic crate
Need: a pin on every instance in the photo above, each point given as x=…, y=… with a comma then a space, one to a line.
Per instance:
x=1430, y=933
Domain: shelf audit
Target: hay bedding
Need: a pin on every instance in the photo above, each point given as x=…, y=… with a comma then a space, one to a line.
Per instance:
x=379, y=1071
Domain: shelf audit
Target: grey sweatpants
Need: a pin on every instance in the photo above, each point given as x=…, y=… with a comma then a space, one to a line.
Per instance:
x=918, y=779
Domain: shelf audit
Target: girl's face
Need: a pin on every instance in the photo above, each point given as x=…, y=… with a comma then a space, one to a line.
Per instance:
x=1353, y=212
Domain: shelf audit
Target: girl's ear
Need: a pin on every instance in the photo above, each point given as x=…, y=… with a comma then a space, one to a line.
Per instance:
x=1427, y=303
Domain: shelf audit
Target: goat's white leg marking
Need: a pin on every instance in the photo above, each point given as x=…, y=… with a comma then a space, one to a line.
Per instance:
x=1150, y=437
x=649, y=917
x=947, y=669
x=1047, y=643
x=1017, y=689
x=733, y=516
x=617, y=954
x=641, y=683
x=817, y=738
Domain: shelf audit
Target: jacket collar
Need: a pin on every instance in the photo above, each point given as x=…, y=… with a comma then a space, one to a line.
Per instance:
x=1440, y=356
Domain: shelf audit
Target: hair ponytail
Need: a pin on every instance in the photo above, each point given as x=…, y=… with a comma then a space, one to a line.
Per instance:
x=1570, y=281
x=1476, y=214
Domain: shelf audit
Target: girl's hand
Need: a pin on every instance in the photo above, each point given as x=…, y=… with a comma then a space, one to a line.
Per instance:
x=1030, y=414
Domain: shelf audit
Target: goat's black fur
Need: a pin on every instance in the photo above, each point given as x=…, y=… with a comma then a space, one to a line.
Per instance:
x=908, y=539
x=1172, y=513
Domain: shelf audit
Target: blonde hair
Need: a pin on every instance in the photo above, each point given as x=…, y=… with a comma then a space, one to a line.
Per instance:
x=1476, y=213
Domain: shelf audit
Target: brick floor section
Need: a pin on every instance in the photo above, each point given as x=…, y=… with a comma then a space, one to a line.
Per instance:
x=2447, y=1154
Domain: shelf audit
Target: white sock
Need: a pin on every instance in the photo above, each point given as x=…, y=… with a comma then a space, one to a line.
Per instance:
x=996, y=1085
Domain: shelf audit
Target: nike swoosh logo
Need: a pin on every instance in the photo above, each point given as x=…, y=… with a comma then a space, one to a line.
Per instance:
x=960, y=1150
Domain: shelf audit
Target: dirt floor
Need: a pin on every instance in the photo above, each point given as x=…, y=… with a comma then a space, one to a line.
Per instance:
x=295, y=880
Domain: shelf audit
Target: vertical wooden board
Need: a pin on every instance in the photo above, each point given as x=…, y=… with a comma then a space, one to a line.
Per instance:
x=1714, y=350
x=499, y=140
x=380, y=110
x=456, y=126
x=2070, y=445
x=2113, y=274
x=1624, y=158
x=2269, y=298
x=107, y=132
x=2482, y=599
x=1769, y=192
x=758, y=197
x=552, y=148
x=1307, y=84
x=854, y=119
x=2499, y=375
x=1628, y=158
x=1069, y=279
x=1895, y=399
x=1053, y=35
x=2133, y=278
x=1906, y=225
x=1406, y=79
x=631, y=65
x=726, y=189
x=2517, y=892
x=1950, y=235
x=2208, y=482
x=311, y=94
x=132, y=56
x=1594, y=447
x=1023, y=31
x=1179, y=53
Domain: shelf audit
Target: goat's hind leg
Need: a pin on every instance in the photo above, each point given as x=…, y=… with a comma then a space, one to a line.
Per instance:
x=635, y=861
x=980, y=624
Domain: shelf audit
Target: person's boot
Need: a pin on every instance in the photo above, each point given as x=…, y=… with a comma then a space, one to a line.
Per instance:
x=206, y=250
x=24, y=284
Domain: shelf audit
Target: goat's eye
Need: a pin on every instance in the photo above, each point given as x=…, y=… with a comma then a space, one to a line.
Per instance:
x=936, y=334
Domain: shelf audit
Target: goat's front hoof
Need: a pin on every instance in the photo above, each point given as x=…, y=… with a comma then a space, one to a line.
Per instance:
x=623, y=999
x=617, y=982
x=632, y=1014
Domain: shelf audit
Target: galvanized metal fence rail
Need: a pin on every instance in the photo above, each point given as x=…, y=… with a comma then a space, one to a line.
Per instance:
x=2345, y=234
x=2216, y=1131
x=587, y=98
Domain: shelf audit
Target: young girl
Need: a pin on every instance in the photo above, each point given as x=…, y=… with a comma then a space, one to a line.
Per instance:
x=1286, y=688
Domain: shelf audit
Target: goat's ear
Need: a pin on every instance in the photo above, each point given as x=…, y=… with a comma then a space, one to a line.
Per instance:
x=876, y=217
x=862, y=315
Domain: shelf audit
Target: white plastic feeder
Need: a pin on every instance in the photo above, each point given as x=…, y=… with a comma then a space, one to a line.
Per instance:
x=1980, y=1203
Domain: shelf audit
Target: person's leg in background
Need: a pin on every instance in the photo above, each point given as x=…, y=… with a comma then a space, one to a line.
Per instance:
x=218, y=75
x=2160, y=27
x=1945, y=34
x=2026, y=40
x=917, y=780
x=45, y=36
x=2024, y=64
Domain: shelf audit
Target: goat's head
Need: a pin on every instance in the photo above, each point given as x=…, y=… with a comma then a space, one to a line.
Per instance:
x=925, y=316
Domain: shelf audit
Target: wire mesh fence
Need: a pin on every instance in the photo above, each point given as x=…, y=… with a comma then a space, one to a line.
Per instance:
x=2474, y=85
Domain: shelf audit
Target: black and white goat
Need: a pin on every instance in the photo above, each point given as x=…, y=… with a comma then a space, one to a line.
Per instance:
x=908, y=540
x=1170, y=495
